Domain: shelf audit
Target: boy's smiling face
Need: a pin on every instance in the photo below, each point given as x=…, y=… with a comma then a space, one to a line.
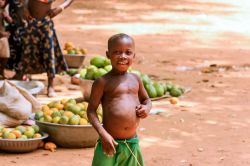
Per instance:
x=121, y=53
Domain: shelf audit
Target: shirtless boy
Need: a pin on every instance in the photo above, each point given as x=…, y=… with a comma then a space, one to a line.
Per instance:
x=124, y=101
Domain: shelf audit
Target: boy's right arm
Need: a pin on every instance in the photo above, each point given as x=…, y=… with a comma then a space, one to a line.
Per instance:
x=94, y=101
x=107, y=140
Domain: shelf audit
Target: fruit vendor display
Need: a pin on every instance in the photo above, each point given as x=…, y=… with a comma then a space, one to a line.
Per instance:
x=66, y=111
x=69, y=48
x=100, y=65
x=20, y=132
x=158, y=89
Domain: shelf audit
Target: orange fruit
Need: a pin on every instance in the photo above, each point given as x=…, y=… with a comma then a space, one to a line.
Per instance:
x=173, y=100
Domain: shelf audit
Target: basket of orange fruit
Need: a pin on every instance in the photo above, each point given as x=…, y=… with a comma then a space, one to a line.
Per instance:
x=67, y=123
x=21, y=139
x=73, y=55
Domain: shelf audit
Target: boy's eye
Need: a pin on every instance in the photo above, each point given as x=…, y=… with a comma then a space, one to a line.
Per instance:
x=117, y=52
x=129, y=52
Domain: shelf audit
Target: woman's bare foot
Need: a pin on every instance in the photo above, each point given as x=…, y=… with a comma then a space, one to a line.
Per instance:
x=51, y=92
x=17, y=77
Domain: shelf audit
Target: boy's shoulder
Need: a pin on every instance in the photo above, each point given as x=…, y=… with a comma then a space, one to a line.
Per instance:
x=101, y=81
x=133, y=75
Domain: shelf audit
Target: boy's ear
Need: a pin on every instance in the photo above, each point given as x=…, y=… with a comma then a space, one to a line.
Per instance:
x=107, y=54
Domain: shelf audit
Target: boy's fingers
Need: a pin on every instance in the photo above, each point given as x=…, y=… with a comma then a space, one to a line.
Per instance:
x=139, y=111
x=104, y=149
x=142, y=115
x=138, y=107
x=113, y=149
x=108, y=153
x=115, y=143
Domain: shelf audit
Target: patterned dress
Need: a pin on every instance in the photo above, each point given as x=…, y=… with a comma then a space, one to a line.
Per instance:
x=35, y=47
x=16, y=31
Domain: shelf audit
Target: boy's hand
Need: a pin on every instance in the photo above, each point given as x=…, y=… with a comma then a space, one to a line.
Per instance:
x=141, y=111
x=54, y=12
x=108, y=145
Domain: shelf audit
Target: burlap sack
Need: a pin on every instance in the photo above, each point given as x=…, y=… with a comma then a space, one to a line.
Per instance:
x=36, y=106
x=9, y=121
x=13, y=103
x=4, y=48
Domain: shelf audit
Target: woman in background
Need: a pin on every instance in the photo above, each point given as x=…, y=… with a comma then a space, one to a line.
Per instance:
x=40, y=50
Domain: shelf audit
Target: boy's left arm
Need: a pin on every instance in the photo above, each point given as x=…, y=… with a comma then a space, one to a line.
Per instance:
x=143, y=109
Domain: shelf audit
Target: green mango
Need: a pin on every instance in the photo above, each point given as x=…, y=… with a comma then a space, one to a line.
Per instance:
x=159, y=89
x=145, y=79
x=152, y=93
x=175, y=92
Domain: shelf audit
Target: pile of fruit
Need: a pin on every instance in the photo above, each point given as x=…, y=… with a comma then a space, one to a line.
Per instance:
x=69, y=48
x=100, y=65
x=159, y=89
x=20, y=132
x=66, y=111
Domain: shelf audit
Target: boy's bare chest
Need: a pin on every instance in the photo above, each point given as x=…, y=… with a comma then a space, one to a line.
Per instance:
x=122, y=87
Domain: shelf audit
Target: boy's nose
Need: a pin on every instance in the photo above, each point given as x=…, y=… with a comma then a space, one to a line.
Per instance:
x=123, y=55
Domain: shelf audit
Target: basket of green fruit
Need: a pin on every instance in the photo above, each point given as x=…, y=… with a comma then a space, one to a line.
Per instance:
x=21, y=139
x=67, y=123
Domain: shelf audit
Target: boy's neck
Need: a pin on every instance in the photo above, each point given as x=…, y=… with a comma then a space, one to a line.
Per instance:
x=115, y=72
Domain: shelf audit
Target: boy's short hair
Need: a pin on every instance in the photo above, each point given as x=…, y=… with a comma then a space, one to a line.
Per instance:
x=116, y=37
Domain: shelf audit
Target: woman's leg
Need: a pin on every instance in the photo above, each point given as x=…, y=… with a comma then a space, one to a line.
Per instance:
x=51, y=91
x=3, y=62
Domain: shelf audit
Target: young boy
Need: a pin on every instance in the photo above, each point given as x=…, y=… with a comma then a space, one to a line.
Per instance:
x=124, y=101
x=4, y=45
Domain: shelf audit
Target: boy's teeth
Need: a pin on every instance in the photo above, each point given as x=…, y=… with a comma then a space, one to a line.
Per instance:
x=123, y=63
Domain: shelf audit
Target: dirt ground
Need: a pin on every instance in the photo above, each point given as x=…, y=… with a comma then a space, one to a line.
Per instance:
x=176, y=40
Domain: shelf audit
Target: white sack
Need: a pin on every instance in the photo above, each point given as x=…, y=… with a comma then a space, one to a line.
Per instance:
x=13, y=103
x=8, y=121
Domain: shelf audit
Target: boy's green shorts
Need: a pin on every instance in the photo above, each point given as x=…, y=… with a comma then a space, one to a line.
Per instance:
x=128, y=153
